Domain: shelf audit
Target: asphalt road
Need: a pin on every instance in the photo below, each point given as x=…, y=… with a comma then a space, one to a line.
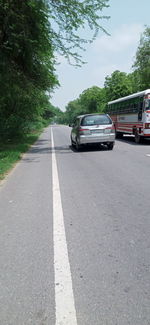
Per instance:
x=75, y=235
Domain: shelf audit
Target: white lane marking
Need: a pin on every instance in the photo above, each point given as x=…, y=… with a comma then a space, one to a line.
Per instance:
x=148, y=154
x=64, y=299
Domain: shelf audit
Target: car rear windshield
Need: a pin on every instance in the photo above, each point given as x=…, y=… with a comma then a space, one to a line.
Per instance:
x=95, y=120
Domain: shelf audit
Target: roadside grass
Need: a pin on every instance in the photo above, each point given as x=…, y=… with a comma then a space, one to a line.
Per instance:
x=11, y=151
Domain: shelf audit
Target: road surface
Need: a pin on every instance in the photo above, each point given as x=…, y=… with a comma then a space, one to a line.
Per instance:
x=75, y=235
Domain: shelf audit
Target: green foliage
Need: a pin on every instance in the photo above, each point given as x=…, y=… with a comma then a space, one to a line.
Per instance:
x=72, y=110
x=92, y=100
x=142, y=62
x=30, y=33
x=117, y=85
x=25, y=41
x=12, y=149
x=59, y=116
x=134, y=79
x=26, y=64
x=70, y=16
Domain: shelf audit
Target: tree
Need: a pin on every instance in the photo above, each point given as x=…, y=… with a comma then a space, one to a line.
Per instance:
x=25, y=41
x=117, y=85
x=142, y=61
x=26, y=63
x=134, y=78
x=72, y=110
x=92, y=100
x=68, y=17
x=31, y=32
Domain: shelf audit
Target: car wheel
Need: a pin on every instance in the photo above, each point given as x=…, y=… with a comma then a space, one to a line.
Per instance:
x=77, y=145
x=110, y=145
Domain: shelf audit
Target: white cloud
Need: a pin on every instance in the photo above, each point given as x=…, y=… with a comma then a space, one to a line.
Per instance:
x=115, y=52
x=120, y=40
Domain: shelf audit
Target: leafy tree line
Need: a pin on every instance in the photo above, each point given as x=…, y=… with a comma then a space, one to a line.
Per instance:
x=31, y=33
x=119, y=84
x=26, y=64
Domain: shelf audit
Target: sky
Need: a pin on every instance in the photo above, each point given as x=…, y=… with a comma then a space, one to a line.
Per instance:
x=106, y=54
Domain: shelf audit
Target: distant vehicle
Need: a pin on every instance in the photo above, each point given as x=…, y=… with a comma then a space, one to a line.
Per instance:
x=93, y=129
x=131, y=115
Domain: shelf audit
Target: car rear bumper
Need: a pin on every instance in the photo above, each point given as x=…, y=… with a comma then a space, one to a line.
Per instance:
x=97, y=139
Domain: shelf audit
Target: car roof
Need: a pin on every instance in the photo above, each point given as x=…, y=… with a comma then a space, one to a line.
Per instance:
x=90, y=114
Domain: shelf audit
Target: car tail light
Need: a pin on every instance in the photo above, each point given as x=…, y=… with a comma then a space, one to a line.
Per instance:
x=84, y=131
x=110, y=129
x=147, y=125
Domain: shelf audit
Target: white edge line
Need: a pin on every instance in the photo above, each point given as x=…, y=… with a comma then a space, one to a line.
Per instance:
x=64, y=299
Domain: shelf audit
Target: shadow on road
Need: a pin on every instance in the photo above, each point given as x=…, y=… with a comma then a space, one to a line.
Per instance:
x=68, y=149
x=40, y=147
x=130, y=140
x=43, y=147
x=88, y=148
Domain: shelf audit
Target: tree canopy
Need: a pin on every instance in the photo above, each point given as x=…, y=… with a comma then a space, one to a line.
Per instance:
x=142, y=61
x=31, y=33
x=117, y=85
x=26, y=63
x=91, y=100
x=68, y=17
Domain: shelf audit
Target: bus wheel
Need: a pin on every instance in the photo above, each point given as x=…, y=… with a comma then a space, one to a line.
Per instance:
x=119, y=135
x=137, y=137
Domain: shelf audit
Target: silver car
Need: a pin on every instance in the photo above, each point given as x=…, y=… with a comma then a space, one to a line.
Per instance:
x=93, y=129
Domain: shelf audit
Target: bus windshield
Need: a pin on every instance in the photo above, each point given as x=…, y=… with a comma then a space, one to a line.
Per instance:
x=147, y=104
